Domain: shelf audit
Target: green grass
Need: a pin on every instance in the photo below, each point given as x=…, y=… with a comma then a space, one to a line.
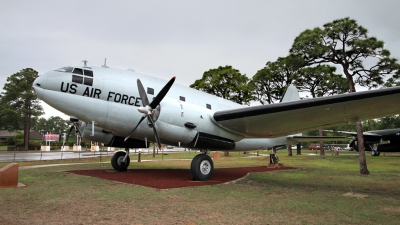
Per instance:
x=310, y=194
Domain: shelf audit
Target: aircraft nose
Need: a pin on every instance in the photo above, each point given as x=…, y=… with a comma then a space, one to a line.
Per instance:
x=39, y=85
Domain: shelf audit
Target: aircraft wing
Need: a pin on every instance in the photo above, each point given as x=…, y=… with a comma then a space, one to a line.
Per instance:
x=280, y=119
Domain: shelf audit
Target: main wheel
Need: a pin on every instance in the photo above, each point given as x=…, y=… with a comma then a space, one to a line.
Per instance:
x=201, y=167
x=374, y=153
x=116, y=161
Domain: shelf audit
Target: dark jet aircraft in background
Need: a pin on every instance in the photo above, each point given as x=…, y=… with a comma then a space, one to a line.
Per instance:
x=378, y=141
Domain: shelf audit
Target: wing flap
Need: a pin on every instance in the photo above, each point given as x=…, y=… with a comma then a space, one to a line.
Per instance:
x=269, y=121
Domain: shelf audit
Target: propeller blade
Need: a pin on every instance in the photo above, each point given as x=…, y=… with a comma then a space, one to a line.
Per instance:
x=147, y=108
x=142, y=93
x=134, y=129
x=72, y=127
x=150, y=118
x=77, y=129
x=156, y=101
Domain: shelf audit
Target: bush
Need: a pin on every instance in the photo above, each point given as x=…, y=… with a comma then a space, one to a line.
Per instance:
x=31, y=146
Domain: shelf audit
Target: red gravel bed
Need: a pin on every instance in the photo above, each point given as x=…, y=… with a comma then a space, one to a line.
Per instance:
x=171, y=178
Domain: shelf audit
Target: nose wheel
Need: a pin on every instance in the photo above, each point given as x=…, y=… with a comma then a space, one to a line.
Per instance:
x=201, y=167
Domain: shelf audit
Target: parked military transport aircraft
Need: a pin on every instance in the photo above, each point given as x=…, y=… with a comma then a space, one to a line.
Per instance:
x=378, y=141
x=112, y=105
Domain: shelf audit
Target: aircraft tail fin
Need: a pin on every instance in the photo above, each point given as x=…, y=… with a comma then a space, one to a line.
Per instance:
x=291, y=94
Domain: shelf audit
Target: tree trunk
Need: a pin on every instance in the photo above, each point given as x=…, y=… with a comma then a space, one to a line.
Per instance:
x=26, y=132
x=361, y=149
x=321, y=146
x=289, y=149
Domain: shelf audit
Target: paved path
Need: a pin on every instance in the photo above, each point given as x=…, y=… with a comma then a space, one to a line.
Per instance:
x=20, y=156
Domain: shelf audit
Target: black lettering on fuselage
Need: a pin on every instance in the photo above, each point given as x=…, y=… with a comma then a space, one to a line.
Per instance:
x=62, y=85
x=133, y=100
x=97, y=92
x=86, y=92
x=117, y=97
x=137, y=103
x=109, y=95
x=120, y=98
x=124, y=98
x=71, y=88
x=93, y=93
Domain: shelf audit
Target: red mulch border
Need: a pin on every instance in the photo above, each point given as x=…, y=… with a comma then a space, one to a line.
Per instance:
x=171, y=178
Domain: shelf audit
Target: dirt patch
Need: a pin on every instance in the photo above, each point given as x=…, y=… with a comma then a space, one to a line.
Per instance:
x=171, y=178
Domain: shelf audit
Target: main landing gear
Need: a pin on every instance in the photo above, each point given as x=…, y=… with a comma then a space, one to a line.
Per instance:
x=120, y=160
x=375, y=153
x=202, y=167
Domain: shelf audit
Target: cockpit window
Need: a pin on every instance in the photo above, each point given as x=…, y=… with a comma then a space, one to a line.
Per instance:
x=77, y=79
x=78, y=71
x=88, y=73
x=88, y=81
x=82, y=76
x=67, y=69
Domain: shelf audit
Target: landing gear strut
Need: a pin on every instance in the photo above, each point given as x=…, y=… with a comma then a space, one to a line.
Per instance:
x=120, y=161
x=201, y=167
x=375, y=151
x=273, y=159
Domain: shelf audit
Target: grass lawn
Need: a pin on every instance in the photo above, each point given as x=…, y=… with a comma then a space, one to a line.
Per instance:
x=310, y=194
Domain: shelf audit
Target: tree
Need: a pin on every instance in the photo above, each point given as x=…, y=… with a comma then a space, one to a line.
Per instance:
x=320, y=81
x=56, y=125
x=226, y=82
x=363, y=59
x=19, y=103
x=269, y=83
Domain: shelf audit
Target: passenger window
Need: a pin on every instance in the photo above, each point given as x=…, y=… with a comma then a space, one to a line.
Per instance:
x=150, y=91
x=78, y=71
x=182, y=98
x=208, y=106
x=77, y=79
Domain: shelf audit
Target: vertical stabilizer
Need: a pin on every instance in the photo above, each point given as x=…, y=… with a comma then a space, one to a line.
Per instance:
x=291, y=94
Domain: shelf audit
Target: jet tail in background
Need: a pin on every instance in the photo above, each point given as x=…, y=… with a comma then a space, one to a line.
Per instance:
x=291, y=94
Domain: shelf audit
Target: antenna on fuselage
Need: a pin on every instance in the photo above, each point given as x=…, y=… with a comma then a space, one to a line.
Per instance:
x=105, y=63
x=84, y=63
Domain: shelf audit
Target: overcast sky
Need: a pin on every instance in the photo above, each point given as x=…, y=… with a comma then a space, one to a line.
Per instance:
x=179, y=38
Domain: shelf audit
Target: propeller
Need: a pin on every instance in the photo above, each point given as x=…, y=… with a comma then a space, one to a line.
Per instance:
x=147, y=108
x=76, y=125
